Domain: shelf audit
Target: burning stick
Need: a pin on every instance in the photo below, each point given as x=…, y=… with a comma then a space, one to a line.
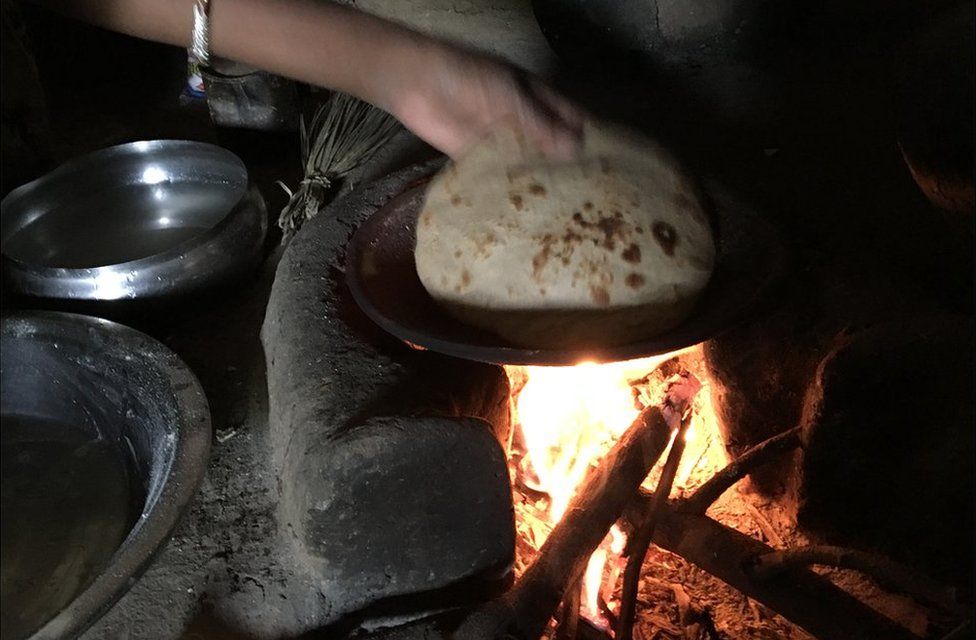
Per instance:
x=763, y=453
x=524, y=611
x=569, y=620
x=804, y=598
x=640, y=542
x=900, y=577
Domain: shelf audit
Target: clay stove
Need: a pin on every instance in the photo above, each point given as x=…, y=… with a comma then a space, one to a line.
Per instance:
x=413, y=484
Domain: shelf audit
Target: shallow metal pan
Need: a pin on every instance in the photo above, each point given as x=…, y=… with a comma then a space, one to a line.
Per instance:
x=141, y=220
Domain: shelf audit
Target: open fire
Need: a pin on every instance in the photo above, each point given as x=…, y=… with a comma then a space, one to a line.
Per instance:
x=572, y=421
x=568, y=418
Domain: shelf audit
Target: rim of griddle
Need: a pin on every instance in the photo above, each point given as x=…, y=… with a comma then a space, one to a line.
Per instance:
x=471, y=343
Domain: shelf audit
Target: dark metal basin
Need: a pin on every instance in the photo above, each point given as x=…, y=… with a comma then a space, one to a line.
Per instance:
x=139, y=220
x=105, y=437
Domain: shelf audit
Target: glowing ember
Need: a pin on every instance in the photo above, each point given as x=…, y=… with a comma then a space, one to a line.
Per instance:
x=569, y=418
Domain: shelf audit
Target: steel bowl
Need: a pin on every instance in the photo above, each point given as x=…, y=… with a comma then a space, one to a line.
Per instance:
x=106, y=436
x=139, y=220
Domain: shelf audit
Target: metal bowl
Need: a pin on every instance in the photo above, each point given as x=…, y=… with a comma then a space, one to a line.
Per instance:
x=140, y=220
x=106, y=435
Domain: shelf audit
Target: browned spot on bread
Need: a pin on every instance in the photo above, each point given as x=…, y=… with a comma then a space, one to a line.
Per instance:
x=639, y=229
x=634, y=280
x=587, y=206
x=465, y=278
x=537, y=189
x=426, y=220
x=612, y=228
x=666, y=236
x=632, y=254
x=456, y=200
x=484, y=244
x=571, y=240
x=600, y=296
x=457, y=253
x=540, y=259
x=516, y=201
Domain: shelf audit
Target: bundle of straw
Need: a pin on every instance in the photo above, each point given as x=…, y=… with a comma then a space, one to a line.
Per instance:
x=344, y=134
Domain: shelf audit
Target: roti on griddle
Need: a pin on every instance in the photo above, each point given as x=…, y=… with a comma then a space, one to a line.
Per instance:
x=606, y=249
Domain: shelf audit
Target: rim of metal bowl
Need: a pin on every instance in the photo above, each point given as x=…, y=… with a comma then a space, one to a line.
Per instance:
x=164, y=507
x=40, y=281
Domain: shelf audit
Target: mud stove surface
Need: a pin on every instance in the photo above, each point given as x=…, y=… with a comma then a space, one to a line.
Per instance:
x=396, y=467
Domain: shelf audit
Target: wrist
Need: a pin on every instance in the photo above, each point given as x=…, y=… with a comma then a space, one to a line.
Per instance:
x=403, y=73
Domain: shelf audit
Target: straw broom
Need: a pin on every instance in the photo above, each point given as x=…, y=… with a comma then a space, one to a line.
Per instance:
x=343, y=135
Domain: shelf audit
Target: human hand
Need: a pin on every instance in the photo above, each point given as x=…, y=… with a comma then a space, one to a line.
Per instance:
x=447, y=95
x=452, y=97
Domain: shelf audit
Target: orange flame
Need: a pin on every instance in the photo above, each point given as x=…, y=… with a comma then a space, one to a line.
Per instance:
x=569, y=418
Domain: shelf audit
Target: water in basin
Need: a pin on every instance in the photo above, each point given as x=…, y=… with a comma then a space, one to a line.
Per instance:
x=111, y=226
x=68, y=502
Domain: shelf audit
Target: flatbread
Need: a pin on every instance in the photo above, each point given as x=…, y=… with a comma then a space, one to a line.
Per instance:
x=607, y=249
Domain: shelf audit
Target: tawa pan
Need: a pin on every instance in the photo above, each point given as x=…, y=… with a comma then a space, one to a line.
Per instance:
x=382, y=277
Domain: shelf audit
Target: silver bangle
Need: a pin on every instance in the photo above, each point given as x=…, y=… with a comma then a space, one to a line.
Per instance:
x=200, y=40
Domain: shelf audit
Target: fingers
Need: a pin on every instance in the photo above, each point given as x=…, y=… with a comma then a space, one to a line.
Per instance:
x=558, y=137
x=568, y=111
x=551, y=120
x=558, y=141
x=469, y=95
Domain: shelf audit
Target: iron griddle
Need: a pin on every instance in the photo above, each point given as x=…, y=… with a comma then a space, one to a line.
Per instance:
x=382, y=277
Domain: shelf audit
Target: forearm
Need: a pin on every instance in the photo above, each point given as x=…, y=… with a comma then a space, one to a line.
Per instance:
x=447, y=95
x=313, y=41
